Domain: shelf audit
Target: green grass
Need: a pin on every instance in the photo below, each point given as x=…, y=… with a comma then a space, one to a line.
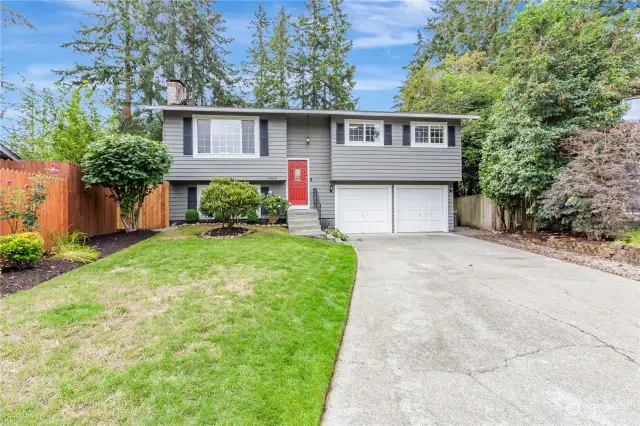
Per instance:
x=630, y=237
x=178, y=330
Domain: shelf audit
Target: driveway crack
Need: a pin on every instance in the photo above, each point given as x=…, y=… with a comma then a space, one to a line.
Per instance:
x=608, y=345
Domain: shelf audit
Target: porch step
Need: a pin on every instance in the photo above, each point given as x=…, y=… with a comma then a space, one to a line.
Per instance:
x=304, y=222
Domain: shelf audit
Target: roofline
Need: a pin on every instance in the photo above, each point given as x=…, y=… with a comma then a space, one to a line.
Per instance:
x=10, y=154
x=311, y=112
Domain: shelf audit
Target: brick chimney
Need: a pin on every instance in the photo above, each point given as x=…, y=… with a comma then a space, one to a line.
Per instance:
x=176, y=93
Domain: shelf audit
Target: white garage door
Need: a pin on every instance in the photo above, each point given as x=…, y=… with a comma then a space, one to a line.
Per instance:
x=421, y=208
x=363, y=209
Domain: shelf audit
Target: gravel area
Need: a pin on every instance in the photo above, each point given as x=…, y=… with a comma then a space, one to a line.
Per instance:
x=524, y=243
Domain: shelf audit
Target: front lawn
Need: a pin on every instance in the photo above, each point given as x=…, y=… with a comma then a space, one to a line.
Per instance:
x=178, y=329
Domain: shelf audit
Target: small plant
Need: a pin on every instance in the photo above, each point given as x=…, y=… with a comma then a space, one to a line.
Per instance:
x=228, y=199
x=73, y=247
x=253, y=218
x=630, y=237
x=335, y=232
x=21, y=250
x=192, y=216
x=275, y=205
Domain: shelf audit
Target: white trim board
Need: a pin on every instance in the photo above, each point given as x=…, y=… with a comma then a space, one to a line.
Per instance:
x=256, y=136
x=286, y=184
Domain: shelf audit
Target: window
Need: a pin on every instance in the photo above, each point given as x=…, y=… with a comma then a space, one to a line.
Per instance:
x=428, y=134
x=363, y=132
x=227, y=136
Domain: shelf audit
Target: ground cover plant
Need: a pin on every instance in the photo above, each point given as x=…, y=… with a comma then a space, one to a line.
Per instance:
x=179, y=329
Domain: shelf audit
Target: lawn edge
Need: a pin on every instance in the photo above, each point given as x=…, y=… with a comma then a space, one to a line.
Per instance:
x=344, y=330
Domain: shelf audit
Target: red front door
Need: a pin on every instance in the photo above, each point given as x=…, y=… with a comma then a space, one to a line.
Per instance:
x=298, y=178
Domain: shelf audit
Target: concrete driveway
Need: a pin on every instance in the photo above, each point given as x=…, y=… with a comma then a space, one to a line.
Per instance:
x=445, y=329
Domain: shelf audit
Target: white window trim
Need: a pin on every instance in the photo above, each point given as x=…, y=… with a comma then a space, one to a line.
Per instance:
x=378, y=142
x=199, y=189
x=445, y=141
x=256, y=133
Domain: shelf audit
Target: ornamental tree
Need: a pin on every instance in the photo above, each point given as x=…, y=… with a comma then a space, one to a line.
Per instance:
x=228, y=199
x=599, y=192
x=131, y=167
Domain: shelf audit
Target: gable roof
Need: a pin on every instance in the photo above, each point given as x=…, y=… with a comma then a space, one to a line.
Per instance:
x=316, y=112
x=5, y=152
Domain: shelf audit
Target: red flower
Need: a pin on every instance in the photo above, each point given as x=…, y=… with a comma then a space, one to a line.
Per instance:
x=30, y=198
x=53, y=171
x=26, y=185
x=52, y=165
x=9, y=181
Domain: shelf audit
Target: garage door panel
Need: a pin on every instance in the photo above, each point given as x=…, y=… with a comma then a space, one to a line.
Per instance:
x=362, y=209
x=420, y=209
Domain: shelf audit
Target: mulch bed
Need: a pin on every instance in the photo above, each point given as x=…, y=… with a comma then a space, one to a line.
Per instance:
x=225, y=232
x=534, y=243
x=13, y=281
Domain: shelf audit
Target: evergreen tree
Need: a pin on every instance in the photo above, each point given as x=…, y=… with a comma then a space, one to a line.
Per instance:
x=255, y=68
x=195, y=52
x=277, y=75
x=300, y=87
x=339, y=81
x=117, y=49
x=459, y=26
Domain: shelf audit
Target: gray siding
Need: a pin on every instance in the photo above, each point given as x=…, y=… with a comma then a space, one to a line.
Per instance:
x=395, y=162
x=187, y=167
x=317, y=151
x=178, y=195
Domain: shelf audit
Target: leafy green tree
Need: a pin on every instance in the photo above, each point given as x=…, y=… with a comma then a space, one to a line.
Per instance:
x=255, y=68
x=11, y=17
x=461, y=85
x=228, y=199
x=131, y=167
x=571, y=66
x=54, y=124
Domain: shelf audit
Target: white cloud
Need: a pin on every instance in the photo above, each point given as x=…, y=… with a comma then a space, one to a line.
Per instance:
x=387, y=23
x=384, y=41
x=377, y=84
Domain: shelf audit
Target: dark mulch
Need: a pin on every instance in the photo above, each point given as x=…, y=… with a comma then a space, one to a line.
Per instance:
x=13, y=281
x=225, y=232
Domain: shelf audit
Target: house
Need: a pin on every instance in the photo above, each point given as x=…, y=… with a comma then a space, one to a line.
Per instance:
x=7, y=154
x=362, y=171
x=632, y=113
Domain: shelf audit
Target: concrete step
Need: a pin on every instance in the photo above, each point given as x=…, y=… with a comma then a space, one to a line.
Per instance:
x=304, y=229
x=310, y=212
x=301, y=221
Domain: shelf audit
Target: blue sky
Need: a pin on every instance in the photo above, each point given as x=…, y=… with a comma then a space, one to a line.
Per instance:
x=383, y=33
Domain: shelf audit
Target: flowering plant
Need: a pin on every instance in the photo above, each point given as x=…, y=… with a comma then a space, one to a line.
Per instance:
x=24, y=203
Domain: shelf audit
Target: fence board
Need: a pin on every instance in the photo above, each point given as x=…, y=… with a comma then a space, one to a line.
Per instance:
x=70, y=206
x=477, y=211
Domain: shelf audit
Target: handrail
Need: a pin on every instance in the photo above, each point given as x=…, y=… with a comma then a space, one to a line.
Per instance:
x=316, y=203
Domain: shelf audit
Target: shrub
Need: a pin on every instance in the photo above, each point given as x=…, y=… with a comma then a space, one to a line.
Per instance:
x=21, y=250
x=598, y=193
x=253, y=218
x=131, y=167
x=72, y=247
x=228, y=199
x=336, y=233
x=630, y=237
x=192, y=216
x=275, y=205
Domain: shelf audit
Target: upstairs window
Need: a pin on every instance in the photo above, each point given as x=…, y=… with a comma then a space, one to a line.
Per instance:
x=363, y=132
x=226, y=137
x=428, y=134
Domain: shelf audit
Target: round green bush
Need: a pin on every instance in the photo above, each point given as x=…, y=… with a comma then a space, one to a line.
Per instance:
x=192, y=216
x=228, y=199
x=21, y=250
x=253, y=218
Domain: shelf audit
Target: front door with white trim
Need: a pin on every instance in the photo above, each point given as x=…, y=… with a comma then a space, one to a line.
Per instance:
x=298, y=183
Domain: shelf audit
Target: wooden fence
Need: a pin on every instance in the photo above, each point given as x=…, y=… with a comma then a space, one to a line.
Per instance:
x=477, y=211
x=70, y=206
